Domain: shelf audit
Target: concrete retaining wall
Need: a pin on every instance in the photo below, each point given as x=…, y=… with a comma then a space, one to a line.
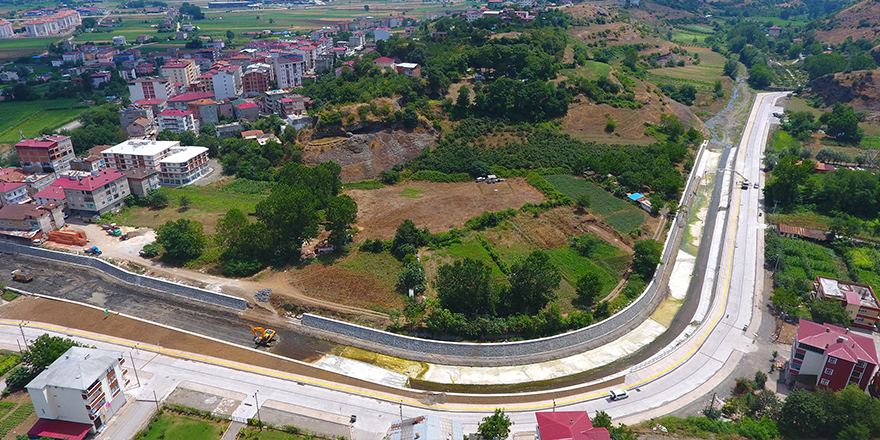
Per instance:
x=125, y=276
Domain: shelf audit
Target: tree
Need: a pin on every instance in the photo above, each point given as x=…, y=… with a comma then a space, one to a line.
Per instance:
x=341, y=212
x=464, y=98
x=157, y=198
x=589, y=287
x=229, y=226
x=610, y=126
x=631, y=58
x=412, y=277
x=789, y=174
x=801, y=414
x=646, y=258
x=407, y=240
x=843, y=124
x=495, y=427
x=532, y=282
x=184, y=202
x=760, y=76
x=583, y=201
x=182, y=240
x=466, y=287
x=290, y=214
x=731, y=69
x=230, y=35
x=829, y=312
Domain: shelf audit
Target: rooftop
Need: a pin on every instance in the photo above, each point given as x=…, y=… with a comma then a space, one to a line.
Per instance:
x=569, y=425
x=78, y=368
x=247, y=105
x=44, y=142
x=176, y=113
x=139, y=173
x=154, y=101
x=191, y=96
x=847, y=291
x=22, y=211
x=51, y=192
x=96, y=180
x=407, y=65
x=184, y=154
x=145, y=148
x=9, y=186
x=837, y=341
x=383, y=60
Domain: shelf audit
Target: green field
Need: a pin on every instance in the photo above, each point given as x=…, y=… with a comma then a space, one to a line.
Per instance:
x=471, y=248
x=801, y=259
x=16, y=47
x=710, y=59
x=620, y=214
x=784, y=142
x=698, y=29
x=251, y=433
x=685, y=37
x=777, y=21
x=592, y=69
x=32, y=116
x=169, y=425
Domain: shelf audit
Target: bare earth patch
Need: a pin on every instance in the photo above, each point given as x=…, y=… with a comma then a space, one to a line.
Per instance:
x=441, y=207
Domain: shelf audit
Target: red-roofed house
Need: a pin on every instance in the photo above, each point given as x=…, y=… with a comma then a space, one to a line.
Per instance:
x=13, y=193
x=45, y=154
x=774, y=30
x=568, y=425
x=178, y=121
x=95, y=195
x=247, y=111
x=384, y=62
x=181, y=101
x=28, y=216
x=828, y=356
x=52, y=194
x=858, y=300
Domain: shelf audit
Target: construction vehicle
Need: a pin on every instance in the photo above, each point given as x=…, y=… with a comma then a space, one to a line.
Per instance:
x=124, y=237
x=263, y=336
x=116, y=232
x=93, y=251
x=20, y=276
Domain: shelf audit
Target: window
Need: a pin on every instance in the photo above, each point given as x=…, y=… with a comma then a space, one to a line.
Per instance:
x=829, y=371
x=806, y=347
x=824, y=382
x=795, y=367
x=832, y=360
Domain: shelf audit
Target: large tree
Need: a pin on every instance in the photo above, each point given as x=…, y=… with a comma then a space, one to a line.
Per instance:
x=341, y=213
x=291, y=216
x=589, y=287
x=495, y=427
x=802, y=415
x=532, y=283
x=182, y=240
x=789, y=174
x=829, y=312
x=646, y=258
x=466, y=287
x=843, y=124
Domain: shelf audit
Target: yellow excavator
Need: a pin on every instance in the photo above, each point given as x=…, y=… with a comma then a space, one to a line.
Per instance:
x=263, y=336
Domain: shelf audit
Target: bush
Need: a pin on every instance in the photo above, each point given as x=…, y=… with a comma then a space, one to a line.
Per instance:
x=489, y=219
x=440, y=177
x=389, y=177
x=150, y=251
x=19, y=377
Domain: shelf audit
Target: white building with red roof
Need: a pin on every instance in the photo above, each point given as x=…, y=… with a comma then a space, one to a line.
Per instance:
x=178, y=121
x=384, y=62
x=13, y=193
x=6, y=29
x=96, y=194
x=828, y=356
x=858, y=299
x=52, y=194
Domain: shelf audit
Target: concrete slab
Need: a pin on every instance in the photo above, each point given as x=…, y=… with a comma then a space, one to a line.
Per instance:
x=362, y=370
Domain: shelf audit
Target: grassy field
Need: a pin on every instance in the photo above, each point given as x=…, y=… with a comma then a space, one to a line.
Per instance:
x=865, y=264
x=797, y=104
x=251, y=433
x=207, y=205
x=800, y=259
x=698, y=29
x=781, y=141
x=618, y=213
x=809, y=220
x=699, y=76
x=32, y=116
x=169, y=425
x=710, y=59
x=685, y=37
x=592, y=69
x=778, y=21
x=16, y=47
x=870, y=142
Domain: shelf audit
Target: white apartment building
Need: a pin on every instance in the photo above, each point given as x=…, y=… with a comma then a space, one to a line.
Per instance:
x=138, y=154
x=289, y=71
x=6, y=29
x=183, y=166
x=84, y=386
x=150, y=88
x=119, y=40
x=61, y=21
x=181, y=71
x=227, y=82
x=178, y=121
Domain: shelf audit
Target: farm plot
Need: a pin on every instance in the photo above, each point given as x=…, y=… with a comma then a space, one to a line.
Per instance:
x=30, y=117
x=618, y=213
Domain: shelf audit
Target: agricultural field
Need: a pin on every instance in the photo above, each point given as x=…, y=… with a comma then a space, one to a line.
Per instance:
x=698, y=29
x=17, y=47
x=686, y=37
x=781, y=141
x=32, y=116
x=251, y=433
x=865, y=268
x=360, y=279
x=801, y=259
x=620, y=214
x=592, y=69
x=169, y=425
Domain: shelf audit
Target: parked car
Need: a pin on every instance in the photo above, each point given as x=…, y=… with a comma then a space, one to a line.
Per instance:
x=755, y=185
x=619, y=394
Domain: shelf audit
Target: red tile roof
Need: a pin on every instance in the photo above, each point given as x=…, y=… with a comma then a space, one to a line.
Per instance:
x=154, y=101
x=9, y=186
x=191, y=96
x=59, y=429
x=175, y=113
x=52, y=192
x=569, y=425
x=91, y=182
x=247, y=105
x=837, y=339
x=383, y=60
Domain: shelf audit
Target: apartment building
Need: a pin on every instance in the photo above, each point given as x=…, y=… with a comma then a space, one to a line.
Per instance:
x=137, y=154
x=45, y=154
x=828, y=356
x=289, y=71
x=134, y=112
x=142, y=180
x=61, y=21
x=13, y=193
x=205, y=110
x=96, y=194
x=178, y=121
x=183, y=100
x=181, y=71
x=294, y=105
x=858, y=300
x=150, y=88
x=227, y=82
x=6, y=29
x=255, y=80
x=29, y=216
x=52, y=194
x=183, y=166
x=79, y=392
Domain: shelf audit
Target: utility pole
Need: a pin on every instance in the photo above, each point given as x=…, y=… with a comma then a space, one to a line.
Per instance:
x=20, y=328
x=257, y=402
x=134, y=368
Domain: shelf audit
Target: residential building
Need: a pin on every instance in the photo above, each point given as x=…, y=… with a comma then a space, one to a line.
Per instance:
x=119, y=40
x=568, y=425
x=384, y=62
x=828, y=356
x=496, y=4
x=409, y=69
x=80, y=391
x=357, y=39
x=289, y=70
x=89, y=164
x=6, y=29
x=52, y=194
x=247, y=111
x=293, y=105
x=8, y=76
x=228, y=130
x=774, y=31
x=183, y=166
x=272, y=100
x=205, y=110
x=96, y=194
x=426, y=427
x=531, y=3
x=227, y=82
x=256, y=78
x=59, y=22
x=137, y=154
x=142, y=180
x=181, y=71
x=156, y=105
x=100, y=78
x=381, y=34
x=134, y=112
x=178, y=121
x=13, y=193
x=45, y=154
x=182, y=101
x=139, y=128
x=73, y=57
x=858, y=299
x=151, y=88
x=474, y=15
x=29, y=216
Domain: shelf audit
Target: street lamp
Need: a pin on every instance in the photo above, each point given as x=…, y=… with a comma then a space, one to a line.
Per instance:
x=353, y=419
x=257, y=402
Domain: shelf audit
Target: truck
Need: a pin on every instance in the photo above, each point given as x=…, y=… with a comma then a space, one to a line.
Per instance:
x=21, y=276
x=92, y=251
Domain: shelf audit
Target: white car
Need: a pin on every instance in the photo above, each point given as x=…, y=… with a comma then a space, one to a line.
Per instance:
x=619, y=394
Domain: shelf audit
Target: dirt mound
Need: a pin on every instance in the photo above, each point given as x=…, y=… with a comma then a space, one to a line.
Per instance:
x=860, y=89
x=861, y=20
x=586, y=120
x=364, y=156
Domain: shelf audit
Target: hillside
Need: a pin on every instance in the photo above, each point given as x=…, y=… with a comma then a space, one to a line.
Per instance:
x=860, y=89
x=861, y=20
